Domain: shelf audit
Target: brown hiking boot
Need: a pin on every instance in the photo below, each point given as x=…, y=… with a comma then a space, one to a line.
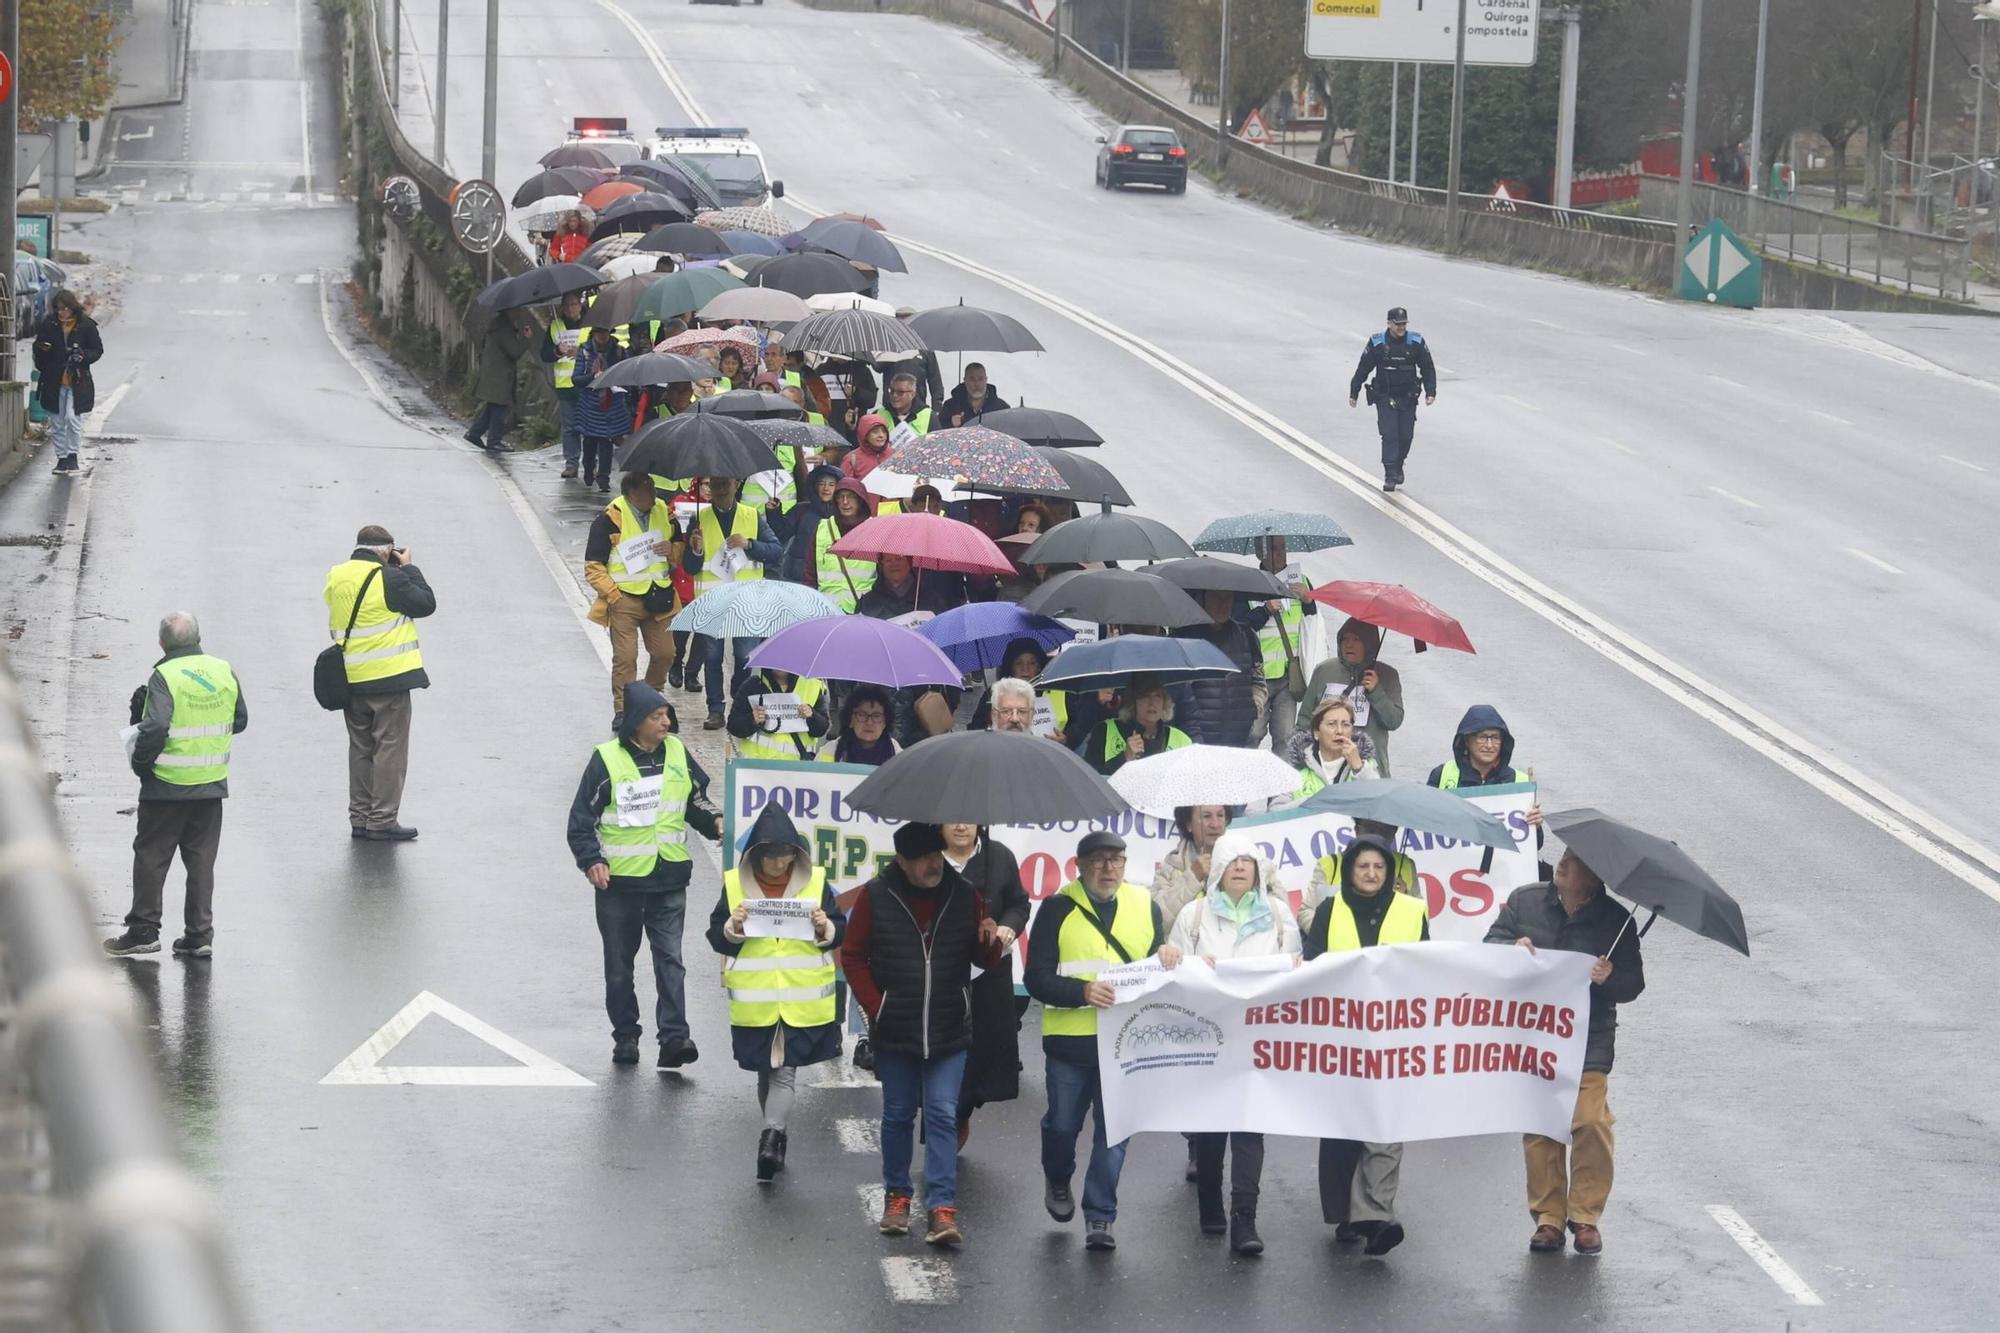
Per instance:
x=896, y=1214
x=944, y=1227
x=1589, y=1240
x=1547, y=1239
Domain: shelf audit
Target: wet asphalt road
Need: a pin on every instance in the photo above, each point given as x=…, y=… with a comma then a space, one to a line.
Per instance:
x=1833, y=1090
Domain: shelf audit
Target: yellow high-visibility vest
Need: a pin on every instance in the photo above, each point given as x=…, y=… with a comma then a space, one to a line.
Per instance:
x=634, y=566
x=1404, y=923
x=645, y=820
x=1082, y=951
x=383, y=643
x=771, y=980
x=204, y=692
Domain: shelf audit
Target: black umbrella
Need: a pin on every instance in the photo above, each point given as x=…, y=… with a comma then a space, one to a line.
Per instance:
x=1105, y=537
x=805, y=435
x=1204, y=573
x=750, y=404
x=859, y=334
x=663, y=179
x=1086, y=481
x=698, y=444
x=683, y=238
x=618, y=302
x=543, y=184
x=853, y=240
x=1036, y=425
x=551, y=282
x=639, y=212
x=1110, y=664
x=1115, y=597
x=577, y=155
x=653, y=368
x=803, y=275
x=986, y=777
x=967, y=328
x=1653, y=873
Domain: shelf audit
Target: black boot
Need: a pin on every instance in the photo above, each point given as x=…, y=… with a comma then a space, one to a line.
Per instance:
x=780, y=1145
x=1243, y=1237
x=770, y=1155
x=1208, y=1194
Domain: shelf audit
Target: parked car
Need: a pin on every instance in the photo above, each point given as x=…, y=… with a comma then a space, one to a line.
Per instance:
x=1142, y=154
x=36, y=282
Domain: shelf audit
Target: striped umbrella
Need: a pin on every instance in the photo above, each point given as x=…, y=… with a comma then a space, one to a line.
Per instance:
x=754, y=610
x=856, y=334
x=975, y=455
x=1301, y=532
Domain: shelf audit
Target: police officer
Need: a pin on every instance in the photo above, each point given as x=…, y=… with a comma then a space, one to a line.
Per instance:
x=1400, y=360
x=628, y=823
x=184, y=716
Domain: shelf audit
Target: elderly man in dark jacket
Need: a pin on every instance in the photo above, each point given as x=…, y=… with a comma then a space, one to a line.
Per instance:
x=1574, y=913
x=913, y=935
x=506, y=342
x=1226, y=708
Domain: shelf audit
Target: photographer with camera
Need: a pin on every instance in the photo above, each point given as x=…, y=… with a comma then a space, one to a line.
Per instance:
x=373, y=599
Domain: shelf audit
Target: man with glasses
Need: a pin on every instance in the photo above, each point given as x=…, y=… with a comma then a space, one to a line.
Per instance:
x=1400, y=361
x=1097, y=921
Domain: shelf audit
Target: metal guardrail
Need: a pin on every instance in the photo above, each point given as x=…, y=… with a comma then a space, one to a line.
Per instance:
x=144, y=1252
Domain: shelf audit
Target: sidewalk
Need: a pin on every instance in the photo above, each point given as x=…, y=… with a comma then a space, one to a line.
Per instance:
x=1174, y=87
x=150, y=64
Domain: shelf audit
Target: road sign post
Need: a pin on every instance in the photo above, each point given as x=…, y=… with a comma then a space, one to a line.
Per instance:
x=1720, y=269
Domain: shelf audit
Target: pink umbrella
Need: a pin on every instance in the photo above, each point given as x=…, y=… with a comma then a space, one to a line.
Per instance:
x=931, y=541
x=741, y=338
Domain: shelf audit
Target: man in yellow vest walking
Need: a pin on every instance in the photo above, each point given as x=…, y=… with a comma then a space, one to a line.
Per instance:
x=729, y=543
x=640, y=794
x=183, y=718
x=1097, y=921
x=627, y=561
x=373, y=600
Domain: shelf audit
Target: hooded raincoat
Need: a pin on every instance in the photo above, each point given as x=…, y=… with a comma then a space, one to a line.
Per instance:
x=1261, y=925
x=1478, y=718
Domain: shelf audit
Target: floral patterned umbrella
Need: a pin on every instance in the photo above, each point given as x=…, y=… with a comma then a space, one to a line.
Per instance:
x=977, y=455
x=743, y=339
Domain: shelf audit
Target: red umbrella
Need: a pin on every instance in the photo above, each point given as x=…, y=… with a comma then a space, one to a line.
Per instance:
x=600, y=197
x=1395, y=608
x=931, y=541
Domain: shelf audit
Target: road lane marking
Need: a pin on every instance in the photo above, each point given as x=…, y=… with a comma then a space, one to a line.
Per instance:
x=94, y=423
x=859, y=1133
x=841, y=1073
x=1733, y=497
x=1922, y=832
x=1521, y=403
x=929, y=1280
x=871, y=1200
x=1828, y=416
x=1626, y=448
x=364, y=1068
x=305, y=101
x=1876, y=561
x=1724, y=379
x=1763, y=1255
x=1629, y=351
x=1961, y=462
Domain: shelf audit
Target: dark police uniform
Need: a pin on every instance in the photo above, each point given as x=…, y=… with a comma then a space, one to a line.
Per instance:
x=1401, y=365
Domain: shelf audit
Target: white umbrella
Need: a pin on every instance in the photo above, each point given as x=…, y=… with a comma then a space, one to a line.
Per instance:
x=753, y=610
x=1203, y=775
x=766, y=305
x=629, y=266
x=850, y=301
x=547, y=212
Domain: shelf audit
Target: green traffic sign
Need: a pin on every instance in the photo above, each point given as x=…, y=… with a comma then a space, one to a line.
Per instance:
x=34, y=228
x=1719, y=268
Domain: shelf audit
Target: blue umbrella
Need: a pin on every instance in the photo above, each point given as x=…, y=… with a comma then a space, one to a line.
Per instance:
x=974, y=636
x=750, y=243
x=754, y=610
x=1302, y=532
x=1415, y=806
x=1106, y=665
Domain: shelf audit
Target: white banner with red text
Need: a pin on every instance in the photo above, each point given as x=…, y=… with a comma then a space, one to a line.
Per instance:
x=1385, y=1045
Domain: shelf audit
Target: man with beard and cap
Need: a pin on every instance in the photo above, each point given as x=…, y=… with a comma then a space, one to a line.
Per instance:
x=1373, y=687
x=1357, y=1181
x=781, y=1007
x=1096, y=921
x=628, y=823
x=914, y=933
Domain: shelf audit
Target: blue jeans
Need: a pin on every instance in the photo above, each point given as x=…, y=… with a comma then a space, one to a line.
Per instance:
x=572, y=438
x=623, y=919
x=1073, y=1089
x=712, y=668
x=491, y=422
x=907, y=1079
x=65, y=426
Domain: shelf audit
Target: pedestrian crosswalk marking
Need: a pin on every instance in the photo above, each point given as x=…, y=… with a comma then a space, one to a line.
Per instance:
x=925, y=1281
x=859, y=1133
x=841, y=1073
x=364, y=1067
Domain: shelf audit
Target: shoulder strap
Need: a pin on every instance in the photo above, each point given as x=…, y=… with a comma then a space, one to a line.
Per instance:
x=1105, y=931
x=358, y=597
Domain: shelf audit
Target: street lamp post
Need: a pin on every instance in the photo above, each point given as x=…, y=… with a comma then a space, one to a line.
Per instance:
x=443, y=80
x=1690, y=95
x=486, y=153
x=1757, y=99
x=1222, y=95
x=1395, y=112
x=1457, y=131
x=1416, y=114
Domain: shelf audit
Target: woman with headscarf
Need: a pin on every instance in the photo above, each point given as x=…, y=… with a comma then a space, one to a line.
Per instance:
x=1357, y=1181
x=1241, y=915
x=775, y=1038
x=844, y=578
x=1372, y=687
x=993, y=1068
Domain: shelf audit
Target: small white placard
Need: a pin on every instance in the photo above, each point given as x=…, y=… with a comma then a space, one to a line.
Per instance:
x=779, y=919
x=784, y=709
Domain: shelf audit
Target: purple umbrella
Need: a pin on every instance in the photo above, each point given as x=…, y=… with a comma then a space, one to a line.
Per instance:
x=857, y=648
x=974, y=636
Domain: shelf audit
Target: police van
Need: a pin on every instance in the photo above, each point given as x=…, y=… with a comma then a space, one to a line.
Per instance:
x=609, y=135
x=726, y=155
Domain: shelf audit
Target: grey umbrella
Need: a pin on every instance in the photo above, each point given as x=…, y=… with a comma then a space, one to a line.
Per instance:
x=651, y=368
x=1085, y=480
x=856, y=241
x=1653, y=873
x=798, y=434
x=1115, y=597
x=1244, y=533
x=1415, y=806
x=750, y=404
x=858, y=334
x=1037, y=425
x=804, y=275
x=1097, y=537
x=698, y=444
x=1206, y=574
x=967, y=328
x=618, y=302
x=986, y=777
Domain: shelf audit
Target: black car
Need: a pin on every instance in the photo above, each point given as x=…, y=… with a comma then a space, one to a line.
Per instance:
x=1142, y=154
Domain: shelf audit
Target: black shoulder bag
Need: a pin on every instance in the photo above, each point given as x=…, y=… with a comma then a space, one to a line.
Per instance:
x=330, y=685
